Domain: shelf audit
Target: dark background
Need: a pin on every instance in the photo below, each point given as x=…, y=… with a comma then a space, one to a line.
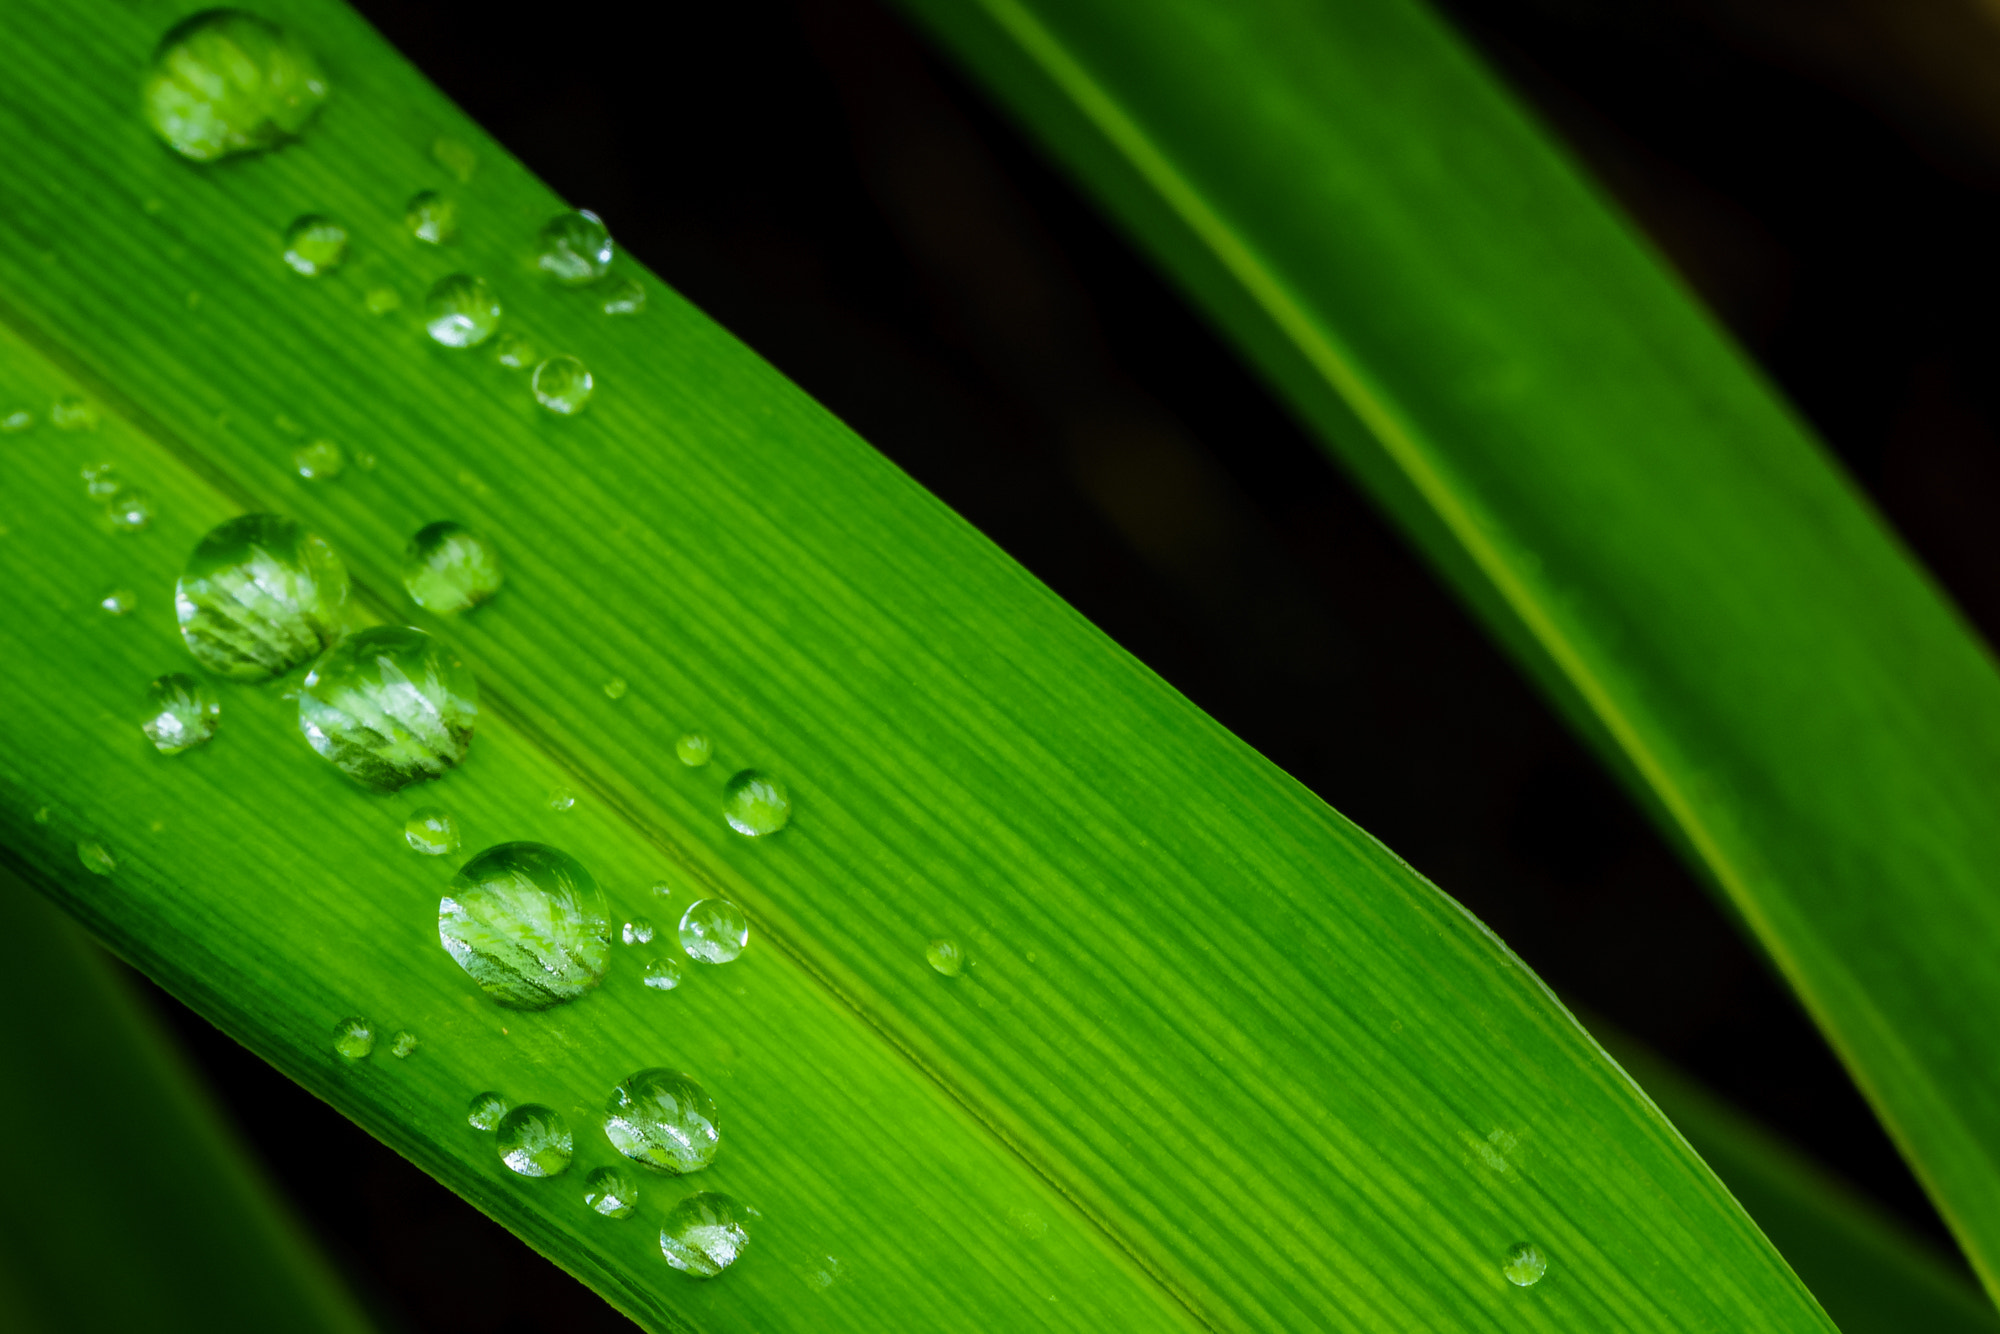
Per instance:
x=815, y=178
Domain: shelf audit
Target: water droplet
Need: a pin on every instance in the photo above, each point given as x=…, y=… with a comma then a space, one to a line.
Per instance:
x=704, y=1234
x=823, y=1273
x=319, y=460
x=455, y=156
x=96, y=858
x=626, y=297
x=534, y=1140
x=638, y=931
x=576, y=248
x=615, y=688
x=315, y=245
x=71, y=413
x=663, y=974
x=41, y=815
x=259, y=596
x=485, y=1110
x=226, y=82
x=664, y=1120
x=354, y=1037
x=403, y=1044
x=431, y=218
x=100, y=481
x=563, y=385
x=181, y=713
x=946, y=957
x=389, y=706
x=461, y=311
x=131, y=509
x=561, y=798
x=714, y=931
x=20, y=419
x=1525, y=1264
x=611, y=1191
x=663, y=889
x=528, y=923
x=431, y=831
x=382, y=300
x=119, y=601
x=755, y=805
x=514, y=351
x=693, y=750
x=449, y=568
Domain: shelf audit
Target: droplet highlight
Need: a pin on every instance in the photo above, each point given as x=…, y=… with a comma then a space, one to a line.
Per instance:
x=714, y=931
x=119, y=601
x=946, y=957
x=575, y=248
x=704, y=1234
x=20, y=419
x=259, y=596
x=315, y=245
x=431, y=831
x=664, y=1120
x=181, y=713
x=354, y=1037
x=389, y=706
x=692, y=750
x=226, y=82
x=448, y=568
x=563, y=385
x=130, y=509
x=534, y=1140
x=1525, y=1264
x=528, y=923
x=485, y=1109
x=755, y=804
x=461, y=311
x=431, y=218
x=611, y=1191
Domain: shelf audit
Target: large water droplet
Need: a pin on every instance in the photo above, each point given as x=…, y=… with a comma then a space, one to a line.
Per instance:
x=227, y=82
x=259, y=596
x=431, y=218
x=946, y=957
x=534, y=1140
x=663, y=975
x=403, y=1044
x=528, y=923
x=576, y=248
x=461, y=311
x=638, y=931
x=72, y=413
x=1525, y=1264
x=431, y=831
x=389, y=706
x=96, y=858
x=315, y=245
x=319, y=460
x=692, y=749
x=485, y=1109
x=119, y=601
x=755, y=805
x=449, y=568
x=131, y=509
x=611, y=1191
x=664, y=1120
x=714, y=931
x=181, y=713
x=354, y=1037
x=626, y=297
x=704, y=1234
x=563, y=385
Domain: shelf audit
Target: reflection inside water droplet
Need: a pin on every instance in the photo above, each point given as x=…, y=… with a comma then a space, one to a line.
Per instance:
x=404, y=1043
x=96, y=858
x=315, y=245
x=638, y=931
x=563, y=385
x=664, y=1120
x=528, y=923
x=461, y=311
x=431, y=218
x=389, y=706
x=575, y=248
x=704, y=1234
x=625, y=297
x=319, y=461
x=615, y=688
x=611, y=1191
x=485, y=1109
x=663, y=975
x=259, y=596
x=692, y=750
x=756, y=804
x=534, y=1140
x=181, y=713
x=431, y=831
x=1524, y=1265
x=714, y=931
x=946, y=957
x=226, y=82
x=449, y=568
x=354, y=1037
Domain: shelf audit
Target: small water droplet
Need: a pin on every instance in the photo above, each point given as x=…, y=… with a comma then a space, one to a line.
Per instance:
x=382, y=300
x=72, y=413
x=945, y=956
x=131, y=509
x=664, y=1120
x=576, y=248
x=20, y=419
x=714, y=931
x=663, y=889
x=561, y=798
x=528, y=923
x=41, y=815
x=534, y=1140
x=485, y=1110
x=431, y=218
x=449, y=568
x=1525, y=1264
x=615, y=688
x=611, y=1191
x=638, y=931
x=119, y=601
x=354, y=1037
x=431, y=831
x=226, y=82
x=455, y=156
x=704, y=1234
x=319, y=461
x=315, y=245
x=365, y=461
x=625, y=297
x=100, y=481
x=96, y=858
x=259, y=596
x=563, y=385
x=756, y=805
x=663, y=975
x=461, y=311
x=181, y=713
x=389, y=706
x=514, y=351
x=822, y=1273
x=403, y=1044
x=693, y=750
